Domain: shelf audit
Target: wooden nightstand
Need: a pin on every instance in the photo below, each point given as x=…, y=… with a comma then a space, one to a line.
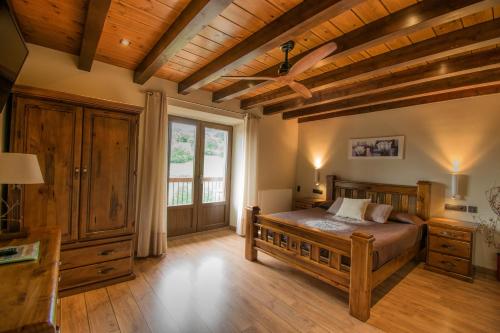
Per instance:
x=449, y=247
x=306, y=203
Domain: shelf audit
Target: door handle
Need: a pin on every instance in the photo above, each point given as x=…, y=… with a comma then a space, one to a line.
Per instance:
x=77, y=171
x=84, y=170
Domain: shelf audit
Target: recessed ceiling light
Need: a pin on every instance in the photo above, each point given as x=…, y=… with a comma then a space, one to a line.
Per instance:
x=124, y=42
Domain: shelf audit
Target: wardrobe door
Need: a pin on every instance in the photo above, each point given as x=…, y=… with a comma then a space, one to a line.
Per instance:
x=108, y=174
x=52, y=131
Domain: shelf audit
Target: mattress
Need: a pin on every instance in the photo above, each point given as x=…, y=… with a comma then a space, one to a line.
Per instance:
x=391, y=239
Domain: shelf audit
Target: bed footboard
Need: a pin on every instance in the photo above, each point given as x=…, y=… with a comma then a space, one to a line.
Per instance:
x=343, y=263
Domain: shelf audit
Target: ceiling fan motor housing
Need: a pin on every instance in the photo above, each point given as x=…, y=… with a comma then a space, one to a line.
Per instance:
x=285, y=66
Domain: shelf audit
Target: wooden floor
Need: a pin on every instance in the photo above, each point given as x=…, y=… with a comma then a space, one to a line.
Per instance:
x=205, y=285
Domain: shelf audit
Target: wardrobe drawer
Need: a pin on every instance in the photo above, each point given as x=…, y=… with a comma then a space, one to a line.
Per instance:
x=94, y=273
x=450, y=246
x=450, y=233
x=449, y=263
x=95, y=254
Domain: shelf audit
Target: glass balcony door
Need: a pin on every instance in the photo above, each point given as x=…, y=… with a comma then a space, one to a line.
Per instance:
x=198, y=177
x=215, y=176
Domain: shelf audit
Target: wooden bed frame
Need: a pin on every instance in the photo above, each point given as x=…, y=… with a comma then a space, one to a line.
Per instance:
x=342, y=262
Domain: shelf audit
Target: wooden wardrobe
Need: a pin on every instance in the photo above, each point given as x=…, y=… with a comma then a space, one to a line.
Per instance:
x=87, y=150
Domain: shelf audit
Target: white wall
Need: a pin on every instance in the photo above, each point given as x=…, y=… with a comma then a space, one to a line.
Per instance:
x=278, y=141
x=55, y=70
x=436, y=134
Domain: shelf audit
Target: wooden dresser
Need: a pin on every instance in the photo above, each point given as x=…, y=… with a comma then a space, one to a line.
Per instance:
x=28, y=290
x=450, y=247
x=87, y=150
x=306, y=203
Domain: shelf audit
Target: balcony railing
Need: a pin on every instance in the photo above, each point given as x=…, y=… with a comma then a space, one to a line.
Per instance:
x=180, y=190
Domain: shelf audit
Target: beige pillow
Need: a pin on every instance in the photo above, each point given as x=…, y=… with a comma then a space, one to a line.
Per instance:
x=378, y=212
x=353, y=208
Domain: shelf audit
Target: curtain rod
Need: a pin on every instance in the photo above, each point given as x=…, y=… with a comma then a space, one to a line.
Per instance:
x=207, y=106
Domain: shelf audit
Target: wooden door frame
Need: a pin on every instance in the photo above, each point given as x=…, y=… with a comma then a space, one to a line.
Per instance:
x=197, y=171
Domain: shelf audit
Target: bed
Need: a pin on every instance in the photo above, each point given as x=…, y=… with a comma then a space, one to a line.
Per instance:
x=352, y=256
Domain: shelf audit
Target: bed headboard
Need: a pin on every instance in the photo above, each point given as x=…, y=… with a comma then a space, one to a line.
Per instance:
x=408, y=199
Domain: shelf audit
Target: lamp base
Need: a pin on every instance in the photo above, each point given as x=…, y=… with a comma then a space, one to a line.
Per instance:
x=5, y=235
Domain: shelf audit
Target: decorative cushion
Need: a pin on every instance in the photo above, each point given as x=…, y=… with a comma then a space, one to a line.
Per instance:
x=334, y=208
x=353, y=208
x=406, y=218
x=378, y=212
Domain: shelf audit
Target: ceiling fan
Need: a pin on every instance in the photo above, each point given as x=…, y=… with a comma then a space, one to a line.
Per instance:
x=287, y=72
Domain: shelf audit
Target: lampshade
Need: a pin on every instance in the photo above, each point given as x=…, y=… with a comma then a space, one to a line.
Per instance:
x=19, y=169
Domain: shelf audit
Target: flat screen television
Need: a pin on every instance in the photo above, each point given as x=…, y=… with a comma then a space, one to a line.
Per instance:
x=13, y=51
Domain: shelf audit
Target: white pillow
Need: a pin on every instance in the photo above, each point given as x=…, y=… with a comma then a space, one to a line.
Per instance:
x=353, y=208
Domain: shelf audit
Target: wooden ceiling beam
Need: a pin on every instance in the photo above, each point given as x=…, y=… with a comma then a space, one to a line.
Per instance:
x=419, y=16
x=428, y=72
x=196, y=16
x=470, y=92
x=456, y=42
x=471, y=80
x=291, y=24
x=94, y=23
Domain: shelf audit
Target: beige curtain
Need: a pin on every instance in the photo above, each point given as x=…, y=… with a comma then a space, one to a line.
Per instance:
x=152, y=178
x=250, y=170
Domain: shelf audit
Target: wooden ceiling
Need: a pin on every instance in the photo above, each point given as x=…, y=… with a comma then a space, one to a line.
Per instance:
x=389, y=50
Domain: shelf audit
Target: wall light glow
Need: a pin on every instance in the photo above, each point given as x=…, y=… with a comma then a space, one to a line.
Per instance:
x=454, y=148
x=317, y=163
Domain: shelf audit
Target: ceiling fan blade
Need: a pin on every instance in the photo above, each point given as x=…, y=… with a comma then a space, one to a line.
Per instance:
x=300, y=88
x=267, y=78
x=312, y=59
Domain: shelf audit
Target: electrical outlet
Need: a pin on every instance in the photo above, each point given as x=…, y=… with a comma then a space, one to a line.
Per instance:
x=315, y=190
x=458, y=208
x=472, y=209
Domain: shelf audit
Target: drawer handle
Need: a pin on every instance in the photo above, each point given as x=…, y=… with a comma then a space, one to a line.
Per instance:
x=106, y=270
x=447, y=263
x=106, y=252
x=445, y=233
x=447, y=246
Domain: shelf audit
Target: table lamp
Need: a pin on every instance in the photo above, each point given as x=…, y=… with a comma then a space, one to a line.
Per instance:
x=17, y=169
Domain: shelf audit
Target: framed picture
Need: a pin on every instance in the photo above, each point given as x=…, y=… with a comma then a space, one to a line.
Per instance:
x=388, y=147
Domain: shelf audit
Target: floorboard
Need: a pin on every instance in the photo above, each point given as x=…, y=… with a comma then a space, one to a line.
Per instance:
x=78, y=321
x=100, y=312
x=204, y=284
